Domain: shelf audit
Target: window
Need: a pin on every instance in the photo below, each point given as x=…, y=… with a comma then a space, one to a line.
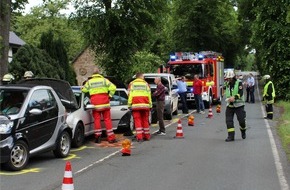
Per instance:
x=42, y=99
x=119, y=98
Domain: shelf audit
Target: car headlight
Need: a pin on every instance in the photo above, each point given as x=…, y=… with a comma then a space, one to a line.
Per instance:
x=5, y=125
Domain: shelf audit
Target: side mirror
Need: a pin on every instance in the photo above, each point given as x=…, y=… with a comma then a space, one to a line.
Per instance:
x=174, y=86
x=90, y=107
x=35, y=111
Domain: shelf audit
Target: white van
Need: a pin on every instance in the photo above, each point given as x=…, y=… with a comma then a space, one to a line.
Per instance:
x=171, y=97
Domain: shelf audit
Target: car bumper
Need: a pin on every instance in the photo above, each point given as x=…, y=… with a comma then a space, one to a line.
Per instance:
x=5, y=149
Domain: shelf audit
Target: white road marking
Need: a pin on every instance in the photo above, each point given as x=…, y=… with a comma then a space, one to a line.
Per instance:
x=280, y=172
x=114, y=153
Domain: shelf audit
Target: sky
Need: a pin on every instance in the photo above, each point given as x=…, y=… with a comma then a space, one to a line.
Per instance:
x=32, y=3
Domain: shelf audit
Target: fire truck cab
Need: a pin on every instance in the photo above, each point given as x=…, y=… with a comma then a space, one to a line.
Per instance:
x=208, y=65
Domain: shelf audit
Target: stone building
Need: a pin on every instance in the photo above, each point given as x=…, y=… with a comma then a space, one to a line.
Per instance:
x=84, y=65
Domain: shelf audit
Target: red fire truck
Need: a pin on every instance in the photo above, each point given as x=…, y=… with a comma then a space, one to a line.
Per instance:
x=208, y=65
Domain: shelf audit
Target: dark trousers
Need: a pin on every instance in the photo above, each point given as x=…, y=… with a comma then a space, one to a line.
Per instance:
x=251, y=94
x=241, y=116
x=198, y=102
x=182, y=96
x=160, y=112
x=269, y=111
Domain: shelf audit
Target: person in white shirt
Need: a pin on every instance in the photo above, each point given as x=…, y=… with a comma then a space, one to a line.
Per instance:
x=250, y=89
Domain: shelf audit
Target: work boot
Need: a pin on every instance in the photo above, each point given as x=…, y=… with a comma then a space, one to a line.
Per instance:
x=243, y=134
x=229, y=139
x=98, y=140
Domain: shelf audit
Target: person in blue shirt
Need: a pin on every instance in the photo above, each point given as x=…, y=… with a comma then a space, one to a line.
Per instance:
x=182, y=90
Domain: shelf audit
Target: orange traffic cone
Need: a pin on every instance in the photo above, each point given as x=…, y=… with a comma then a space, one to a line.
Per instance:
x=179, y=132
x=126, y=150
x=218, y=108
x=210, y=114
x=67, y=183
x=190, y=120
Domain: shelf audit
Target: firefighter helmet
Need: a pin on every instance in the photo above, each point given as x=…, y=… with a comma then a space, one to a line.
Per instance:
x=28, y=74
x=8, y=78
x=230, y=74
x=265, y=77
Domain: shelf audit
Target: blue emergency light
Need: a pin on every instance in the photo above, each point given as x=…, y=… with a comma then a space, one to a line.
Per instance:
x=200, y=57
x=172, y=57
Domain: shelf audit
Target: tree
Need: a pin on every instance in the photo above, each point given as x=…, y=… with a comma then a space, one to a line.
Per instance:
x=55, y=48
x=4, y=34
x=206, y=25
x=29, y=57
x=271, y=40
x=120, y=29
x=5, y=14
x=48, y=17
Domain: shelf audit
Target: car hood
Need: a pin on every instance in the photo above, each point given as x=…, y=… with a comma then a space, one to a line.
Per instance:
x=61, y=87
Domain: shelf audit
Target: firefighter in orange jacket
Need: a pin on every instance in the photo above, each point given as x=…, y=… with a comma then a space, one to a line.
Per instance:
x=101, y=90
x=140, y=102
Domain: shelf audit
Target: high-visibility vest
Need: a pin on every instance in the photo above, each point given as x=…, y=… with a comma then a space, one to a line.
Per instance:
x=139, y=95
x=238, y=101
x=101, y=88
x=265, y=93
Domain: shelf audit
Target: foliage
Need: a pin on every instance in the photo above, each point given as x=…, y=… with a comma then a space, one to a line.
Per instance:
x=120, y=29
x=284, y=126
x=38, y=61
x=145, y=62
x=55, y=48
x=47, y=17
x=206, y=25
x=271, y=39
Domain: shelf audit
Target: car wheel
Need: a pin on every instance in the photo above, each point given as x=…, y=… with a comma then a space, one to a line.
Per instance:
x=63, y=145
x=175, y=112
x=131, y=124
x=79, y=136
x=19, y=156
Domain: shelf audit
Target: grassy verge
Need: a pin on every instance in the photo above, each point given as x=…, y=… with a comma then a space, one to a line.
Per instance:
x=284, y=126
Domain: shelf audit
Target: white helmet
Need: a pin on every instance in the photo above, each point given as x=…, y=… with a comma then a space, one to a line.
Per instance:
x=8, y=78
x=230, y=74
x=28, y=74
x=265, y=77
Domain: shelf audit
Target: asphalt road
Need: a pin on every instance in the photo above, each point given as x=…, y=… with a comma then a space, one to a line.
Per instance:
x=202, y=160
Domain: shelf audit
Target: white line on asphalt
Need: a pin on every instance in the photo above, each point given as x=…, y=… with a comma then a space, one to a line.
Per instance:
x=113, y=154
x=278, y=164
x=98, y=161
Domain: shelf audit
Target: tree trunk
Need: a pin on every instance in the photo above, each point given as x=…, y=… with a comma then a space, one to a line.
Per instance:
x=5, y=14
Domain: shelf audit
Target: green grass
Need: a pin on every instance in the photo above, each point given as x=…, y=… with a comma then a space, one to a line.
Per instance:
x=283, y=127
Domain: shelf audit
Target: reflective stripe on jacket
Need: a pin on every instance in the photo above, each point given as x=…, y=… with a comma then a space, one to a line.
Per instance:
x=100, y=90
x=269, y=93
x=139, y=95
x=237, y=92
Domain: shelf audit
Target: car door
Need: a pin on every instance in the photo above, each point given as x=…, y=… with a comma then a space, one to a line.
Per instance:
x=40, y=127
x=119, y=107
x=87, y=114
x=174, y=93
